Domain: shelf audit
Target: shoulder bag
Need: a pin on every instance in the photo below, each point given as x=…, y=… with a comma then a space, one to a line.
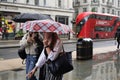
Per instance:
x=22, y=53
x=62, y=64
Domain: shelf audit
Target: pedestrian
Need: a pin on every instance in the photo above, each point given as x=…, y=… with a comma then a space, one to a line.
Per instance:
x=5, y=32
x=0, y=29
x=117, y=37
x=0, y=32
x=31, y=41
x=52, y=48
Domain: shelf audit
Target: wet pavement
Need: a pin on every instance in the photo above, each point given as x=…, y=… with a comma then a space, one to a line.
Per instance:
x=105, y=66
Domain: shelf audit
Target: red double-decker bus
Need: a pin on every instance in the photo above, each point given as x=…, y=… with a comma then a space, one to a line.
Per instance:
x=96, y=25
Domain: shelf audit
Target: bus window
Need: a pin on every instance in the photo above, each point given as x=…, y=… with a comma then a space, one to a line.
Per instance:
x=103, y=28
x=118, y=19
x=109, y=29
x=92, y=16
x=99, y=28
x=81, y=24
x=103, y=17
x=108, y=18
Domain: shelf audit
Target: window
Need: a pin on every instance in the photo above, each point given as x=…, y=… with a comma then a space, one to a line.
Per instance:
x=103, y=1
x=103, y=28
x=112, y=1
x=81, y=24
x=95, y=1
x=84, y=9
x=14, y=1
x=37, y=2
x=94, y=9
x=118, y=3
x=93, y=16
x=59, y=3
x=44, y=2
x=84, y=1
x=27, y=1
x=76, y=12
x=62, y=19
x=118, y=13
x=113, y=11
x=3, y=0
x=100, y=17
x=108, y=10
x=103, y=10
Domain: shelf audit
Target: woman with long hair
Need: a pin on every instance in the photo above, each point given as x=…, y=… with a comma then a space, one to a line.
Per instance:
x=52, y=48
x=30, y=42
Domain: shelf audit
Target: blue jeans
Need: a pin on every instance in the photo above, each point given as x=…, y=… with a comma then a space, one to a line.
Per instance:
x=30, y=64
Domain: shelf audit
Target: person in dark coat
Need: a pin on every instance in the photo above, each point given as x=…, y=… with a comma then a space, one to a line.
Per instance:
x=5, y=32
x=117, y=37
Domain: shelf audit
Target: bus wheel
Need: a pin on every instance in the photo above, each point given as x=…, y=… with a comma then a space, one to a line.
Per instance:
x=97, y=36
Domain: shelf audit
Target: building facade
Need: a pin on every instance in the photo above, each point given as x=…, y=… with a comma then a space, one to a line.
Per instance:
x=101, y=6
x=60, y=10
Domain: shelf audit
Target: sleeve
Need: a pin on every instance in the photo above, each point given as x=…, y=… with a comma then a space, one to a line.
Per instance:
x=116, y=35
x=42, y=59
x=54, y=54
x=23, y=42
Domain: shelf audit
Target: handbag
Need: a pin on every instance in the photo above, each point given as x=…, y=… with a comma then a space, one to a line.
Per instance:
x=21, y=52
x=62, y=64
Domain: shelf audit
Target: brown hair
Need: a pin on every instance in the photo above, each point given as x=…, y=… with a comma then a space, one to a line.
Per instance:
x=54, y=38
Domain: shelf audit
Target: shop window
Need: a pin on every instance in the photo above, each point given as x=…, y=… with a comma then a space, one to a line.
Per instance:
x=62, y=19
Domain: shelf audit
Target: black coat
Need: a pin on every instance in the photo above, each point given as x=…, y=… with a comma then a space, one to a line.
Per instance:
x=117, y=35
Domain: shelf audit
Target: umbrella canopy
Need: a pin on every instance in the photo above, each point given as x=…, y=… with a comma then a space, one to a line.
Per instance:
x=29, y=17
x=46, y=26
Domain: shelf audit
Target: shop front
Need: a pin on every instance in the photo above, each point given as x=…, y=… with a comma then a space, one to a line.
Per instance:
x=6, y=20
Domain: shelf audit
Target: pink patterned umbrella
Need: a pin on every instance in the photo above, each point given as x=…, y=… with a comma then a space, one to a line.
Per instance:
x=46, y=26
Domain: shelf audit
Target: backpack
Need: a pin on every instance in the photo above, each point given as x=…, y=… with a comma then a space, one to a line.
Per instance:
x=22, y=53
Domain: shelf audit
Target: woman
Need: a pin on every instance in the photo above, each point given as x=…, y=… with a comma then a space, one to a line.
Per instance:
x=30, y=41
x=52, y=48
